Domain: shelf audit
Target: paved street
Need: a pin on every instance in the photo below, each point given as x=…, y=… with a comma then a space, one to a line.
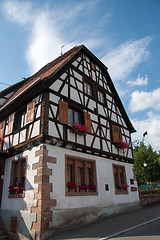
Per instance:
x=107, y=228
x=151, y=229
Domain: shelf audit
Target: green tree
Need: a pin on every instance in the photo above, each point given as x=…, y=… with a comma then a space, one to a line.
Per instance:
x=150, y=171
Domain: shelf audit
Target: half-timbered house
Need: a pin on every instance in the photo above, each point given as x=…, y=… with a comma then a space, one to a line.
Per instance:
x=65, y=153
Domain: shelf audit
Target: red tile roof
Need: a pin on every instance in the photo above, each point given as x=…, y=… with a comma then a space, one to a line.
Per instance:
x=48, y=70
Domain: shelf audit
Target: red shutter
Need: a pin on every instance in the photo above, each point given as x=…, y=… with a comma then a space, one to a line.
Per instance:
x=87, y=120
x=10, y=123
x=116, y=134
x=30, y=112
x=63, y=112
x=2, y=126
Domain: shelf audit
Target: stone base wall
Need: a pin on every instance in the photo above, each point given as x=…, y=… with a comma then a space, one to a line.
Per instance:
x=147, y=199
x=23, y=223
x=75, y=217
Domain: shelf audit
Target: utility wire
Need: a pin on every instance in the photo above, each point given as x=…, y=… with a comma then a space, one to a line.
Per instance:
x=5, y=84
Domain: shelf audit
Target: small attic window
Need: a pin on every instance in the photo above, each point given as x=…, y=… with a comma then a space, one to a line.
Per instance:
x=100, y=96
x=92, y=66
x=87, y=88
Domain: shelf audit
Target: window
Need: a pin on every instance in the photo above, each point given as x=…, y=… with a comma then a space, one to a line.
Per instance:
x=18, y=175
x=100, y=96
x=70, y=171
x=116, y=134
x=20, y=120
x=79, y=170
x=68, y=115
x=92, y=66
x=120, y=179
x=88, y=88
x=74, y=116
x=10, y=122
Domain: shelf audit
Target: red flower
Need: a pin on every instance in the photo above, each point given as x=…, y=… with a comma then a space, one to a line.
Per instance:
x=71, y=185
x=78, y=128
x=122, y=145
x=1, y=139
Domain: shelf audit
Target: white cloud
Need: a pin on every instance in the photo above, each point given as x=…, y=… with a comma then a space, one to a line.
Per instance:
x=143, y=100
x=150, y=125
x=125, y=58
x=140, y=81
x=47, y=29
x=19, y=12
x=44, y=44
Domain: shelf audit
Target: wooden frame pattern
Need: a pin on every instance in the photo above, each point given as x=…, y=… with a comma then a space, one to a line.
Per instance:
x=102, y=115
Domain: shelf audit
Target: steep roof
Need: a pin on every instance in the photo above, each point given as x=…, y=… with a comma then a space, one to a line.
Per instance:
x=53, y=67
x=46, y=71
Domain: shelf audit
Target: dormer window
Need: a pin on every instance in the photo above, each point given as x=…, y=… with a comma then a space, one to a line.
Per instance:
x=100, y=96
x=87, y=88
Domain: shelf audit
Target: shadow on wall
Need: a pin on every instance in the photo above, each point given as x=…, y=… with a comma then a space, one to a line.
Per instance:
x=18, y=223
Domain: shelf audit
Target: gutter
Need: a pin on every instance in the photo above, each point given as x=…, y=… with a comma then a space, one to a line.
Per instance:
x=27, y=88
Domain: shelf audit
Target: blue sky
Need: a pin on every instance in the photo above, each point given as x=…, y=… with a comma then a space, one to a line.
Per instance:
x=123, y=34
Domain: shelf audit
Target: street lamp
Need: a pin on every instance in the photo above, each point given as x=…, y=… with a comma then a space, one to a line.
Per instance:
x=145, y=164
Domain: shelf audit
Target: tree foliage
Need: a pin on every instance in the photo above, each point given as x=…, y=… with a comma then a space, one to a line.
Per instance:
x=145, y=154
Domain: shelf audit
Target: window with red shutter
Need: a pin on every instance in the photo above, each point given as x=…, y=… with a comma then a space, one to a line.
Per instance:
x=116, y=134
x=87, y=120
x=10, y=123
x=30, y=112
x=63, y=112
x=2, y=126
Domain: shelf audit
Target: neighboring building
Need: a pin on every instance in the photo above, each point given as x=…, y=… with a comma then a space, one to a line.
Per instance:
x=41, y=150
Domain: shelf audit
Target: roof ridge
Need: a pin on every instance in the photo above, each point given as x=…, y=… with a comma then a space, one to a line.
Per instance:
x=55, y=61
x=46, y=71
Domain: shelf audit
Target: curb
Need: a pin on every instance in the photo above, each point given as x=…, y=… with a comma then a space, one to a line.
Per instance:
x=129, y=229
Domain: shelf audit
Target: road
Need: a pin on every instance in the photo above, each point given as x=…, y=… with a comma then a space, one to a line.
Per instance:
x=144, y=221
x=148, y=231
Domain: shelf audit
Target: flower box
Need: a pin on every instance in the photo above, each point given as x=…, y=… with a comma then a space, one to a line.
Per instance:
x=92, y=188
x=72, y=187
x=122, y=187
x=72, y=190
x=122, y=145
x=16, y=189
x=79, y=128
x=83, y=187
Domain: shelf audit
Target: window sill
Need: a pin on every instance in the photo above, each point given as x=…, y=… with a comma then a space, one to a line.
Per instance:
x=16, y=195
x=117, y=192
x=81, y=193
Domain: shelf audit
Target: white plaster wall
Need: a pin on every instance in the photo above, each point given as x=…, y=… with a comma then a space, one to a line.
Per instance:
x=15, y=139
x=74, y=95
x=6, y=143
x=56, y=85
x=52, y=130
x=22, y=135
x=25, y=203
x=53, y=97
x=36, y=129
x=38, y=111
x=104, y=176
